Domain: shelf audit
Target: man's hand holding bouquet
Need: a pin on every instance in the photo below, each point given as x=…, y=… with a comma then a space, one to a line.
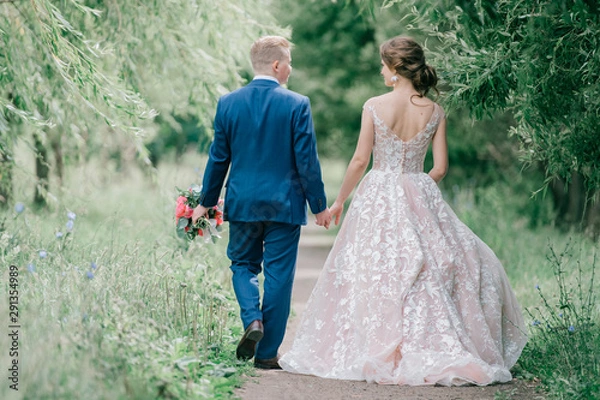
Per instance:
x=189, y=225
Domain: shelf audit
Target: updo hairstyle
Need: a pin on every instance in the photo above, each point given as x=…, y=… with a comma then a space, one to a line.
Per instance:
x=405, y=57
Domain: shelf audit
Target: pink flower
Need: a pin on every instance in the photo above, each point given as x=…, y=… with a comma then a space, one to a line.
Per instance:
x=188, y=211
x=181, y=208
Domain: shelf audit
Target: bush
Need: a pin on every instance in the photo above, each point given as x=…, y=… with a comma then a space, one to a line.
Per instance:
x=564, y=349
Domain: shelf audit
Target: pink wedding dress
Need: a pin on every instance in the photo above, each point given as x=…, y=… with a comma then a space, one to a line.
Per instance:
x=409, y=295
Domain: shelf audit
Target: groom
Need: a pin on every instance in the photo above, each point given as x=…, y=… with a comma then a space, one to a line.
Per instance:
x=264, y=136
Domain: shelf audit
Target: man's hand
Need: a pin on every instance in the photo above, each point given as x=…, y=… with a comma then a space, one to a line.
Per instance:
x=324, y=218
x=199, y=212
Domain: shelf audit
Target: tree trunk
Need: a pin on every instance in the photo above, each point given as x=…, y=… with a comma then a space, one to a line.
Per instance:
x=6, y=170
x=59, y=164
x=575, y=206
x=593, y=216
x=42, y=171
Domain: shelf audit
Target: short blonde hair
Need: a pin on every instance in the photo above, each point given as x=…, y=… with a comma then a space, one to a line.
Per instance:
x=267, y=49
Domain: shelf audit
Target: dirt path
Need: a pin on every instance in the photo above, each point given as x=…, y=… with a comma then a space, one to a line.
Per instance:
x=281, y=385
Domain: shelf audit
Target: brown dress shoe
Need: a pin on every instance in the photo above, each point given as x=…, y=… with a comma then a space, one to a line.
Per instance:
x=270, y=363
x=247, y=346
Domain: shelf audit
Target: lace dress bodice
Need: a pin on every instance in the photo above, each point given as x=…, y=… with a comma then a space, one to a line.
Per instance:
x=392, y=154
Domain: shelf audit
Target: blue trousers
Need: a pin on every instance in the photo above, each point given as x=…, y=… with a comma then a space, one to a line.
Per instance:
x=272, y=246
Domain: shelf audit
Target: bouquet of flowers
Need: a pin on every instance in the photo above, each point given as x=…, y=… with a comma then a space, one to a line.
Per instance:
x=208, y=228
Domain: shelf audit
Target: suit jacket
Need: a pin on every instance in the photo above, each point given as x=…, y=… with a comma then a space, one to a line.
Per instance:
x=264, y=136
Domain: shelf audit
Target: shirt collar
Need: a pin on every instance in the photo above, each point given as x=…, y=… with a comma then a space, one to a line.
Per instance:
x=266, y=77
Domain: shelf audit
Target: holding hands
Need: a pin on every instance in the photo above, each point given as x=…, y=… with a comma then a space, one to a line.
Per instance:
x=324, y=218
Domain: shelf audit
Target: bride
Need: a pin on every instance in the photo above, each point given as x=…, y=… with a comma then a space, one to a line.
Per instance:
x=409, y=295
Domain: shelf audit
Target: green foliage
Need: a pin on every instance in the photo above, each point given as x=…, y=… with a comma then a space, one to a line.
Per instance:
x=92, y=72
x=112, y=305
x=538, y=58
x=565, y=348
x=336, y=63
x=176, y=136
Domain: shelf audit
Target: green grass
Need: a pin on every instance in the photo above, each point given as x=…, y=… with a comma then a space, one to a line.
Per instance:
x=553, y=275
x=152, y=317
x=158, y=319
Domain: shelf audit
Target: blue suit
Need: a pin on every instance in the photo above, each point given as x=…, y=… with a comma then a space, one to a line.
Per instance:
x=264, y=137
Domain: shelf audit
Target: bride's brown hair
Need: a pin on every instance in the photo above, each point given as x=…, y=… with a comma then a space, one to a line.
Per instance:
x=405, y=57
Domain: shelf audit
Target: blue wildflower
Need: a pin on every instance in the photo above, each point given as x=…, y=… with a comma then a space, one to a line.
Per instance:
x=31, y=268
x=93, y=265
x=19, y=208
x=90, y=275
x=537, y=287
x=71, y=215
x=535, y=323
x=560, y=315
x=59, y=235
x=43, y=254
x=571, y=328
x=69, y=225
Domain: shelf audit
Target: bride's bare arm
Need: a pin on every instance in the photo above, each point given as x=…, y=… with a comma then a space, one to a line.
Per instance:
x=440, y=153
x=357, y=166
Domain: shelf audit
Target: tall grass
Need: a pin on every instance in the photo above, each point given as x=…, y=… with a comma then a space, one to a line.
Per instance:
x=554, y=276
x=565, y=349
x=112, y=305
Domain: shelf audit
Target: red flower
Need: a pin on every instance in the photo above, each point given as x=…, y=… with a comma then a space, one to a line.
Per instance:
x=180, y=209
x=184, y=209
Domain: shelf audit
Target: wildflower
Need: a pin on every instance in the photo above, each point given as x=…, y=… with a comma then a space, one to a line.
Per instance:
x=571, y=328
x=535, y=323
x=71, y=215
x=560, y=315
x=93, y=265
x=31, y=268
x=19, y=208
x=59, y=235
x=537, y=287
x=69, y=225
x=43, y=254
x=90, y=275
